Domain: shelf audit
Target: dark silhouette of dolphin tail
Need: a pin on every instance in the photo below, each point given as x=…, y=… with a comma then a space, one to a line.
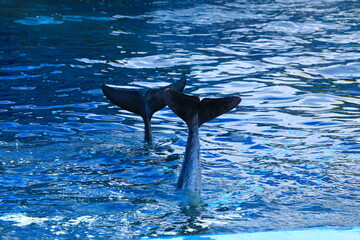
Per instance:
x=192, y=110
x=144, y=102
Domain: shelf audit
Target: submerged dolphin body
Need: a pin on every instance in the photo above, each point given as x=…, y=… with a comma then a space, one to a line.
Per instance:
x=194, y=113
x=144, y=102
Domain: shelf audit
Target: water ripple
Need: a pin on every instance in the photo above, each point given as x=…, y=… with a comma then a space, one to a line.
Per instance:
x=163, y=61
x=344, y=71
x=75, y=105
x=38, y=20
x=75, y=166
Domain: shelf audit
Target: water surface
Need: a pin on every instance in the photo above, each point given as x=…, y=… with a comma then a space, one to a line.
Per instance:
x=72, y=165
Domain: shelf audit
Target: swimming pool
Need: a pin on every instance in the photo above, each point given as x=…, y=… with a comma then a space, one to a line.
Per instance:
x=72, y=165
x=321, y=234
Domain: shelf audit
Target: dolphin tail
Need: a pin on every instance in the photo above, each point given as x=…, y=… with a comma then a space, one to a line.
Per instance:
x=142, y=102
x=187, y=107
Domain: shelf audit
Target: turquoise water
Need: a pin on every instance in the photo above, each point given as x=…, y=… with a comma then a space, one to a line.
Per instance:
x=72, y=165
x=321, y=234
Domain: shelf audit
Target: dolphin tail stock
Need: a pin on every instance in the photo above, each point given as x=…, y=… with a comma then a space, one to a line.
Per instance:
x=187, y=107
x=144, y=102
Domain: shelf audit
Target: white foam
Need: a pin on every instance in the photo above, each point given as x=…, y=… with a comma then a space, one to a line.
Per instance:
x=22, y=220
x=81, y=219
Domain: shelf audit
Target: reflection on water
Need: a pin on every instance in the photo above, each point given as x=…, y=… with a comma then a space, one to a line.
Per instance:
x=74, y=166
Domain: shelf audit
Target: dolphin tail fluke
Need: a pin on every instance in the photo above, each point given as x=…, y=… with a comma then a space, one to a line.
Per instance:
x=139, y=101
x=130, y=100
x=187, y=107
x=142, y=102
x=211, y=108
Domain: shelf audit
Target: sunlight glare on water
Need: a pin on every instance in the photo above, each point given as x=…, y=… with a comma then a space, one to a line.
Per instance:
x=72, y=165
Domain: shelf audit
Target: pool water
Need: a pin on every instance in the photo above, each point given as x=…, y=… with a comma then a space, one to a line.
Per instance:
x=72, y=165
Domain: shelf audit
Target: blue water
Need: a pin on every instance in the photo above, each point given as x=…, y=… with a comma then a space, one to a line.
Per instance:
x=72, y=165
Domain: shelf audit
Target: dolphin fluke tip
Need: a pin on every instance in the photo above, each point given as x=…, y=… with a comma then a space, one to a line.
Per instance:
x=105, y=89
